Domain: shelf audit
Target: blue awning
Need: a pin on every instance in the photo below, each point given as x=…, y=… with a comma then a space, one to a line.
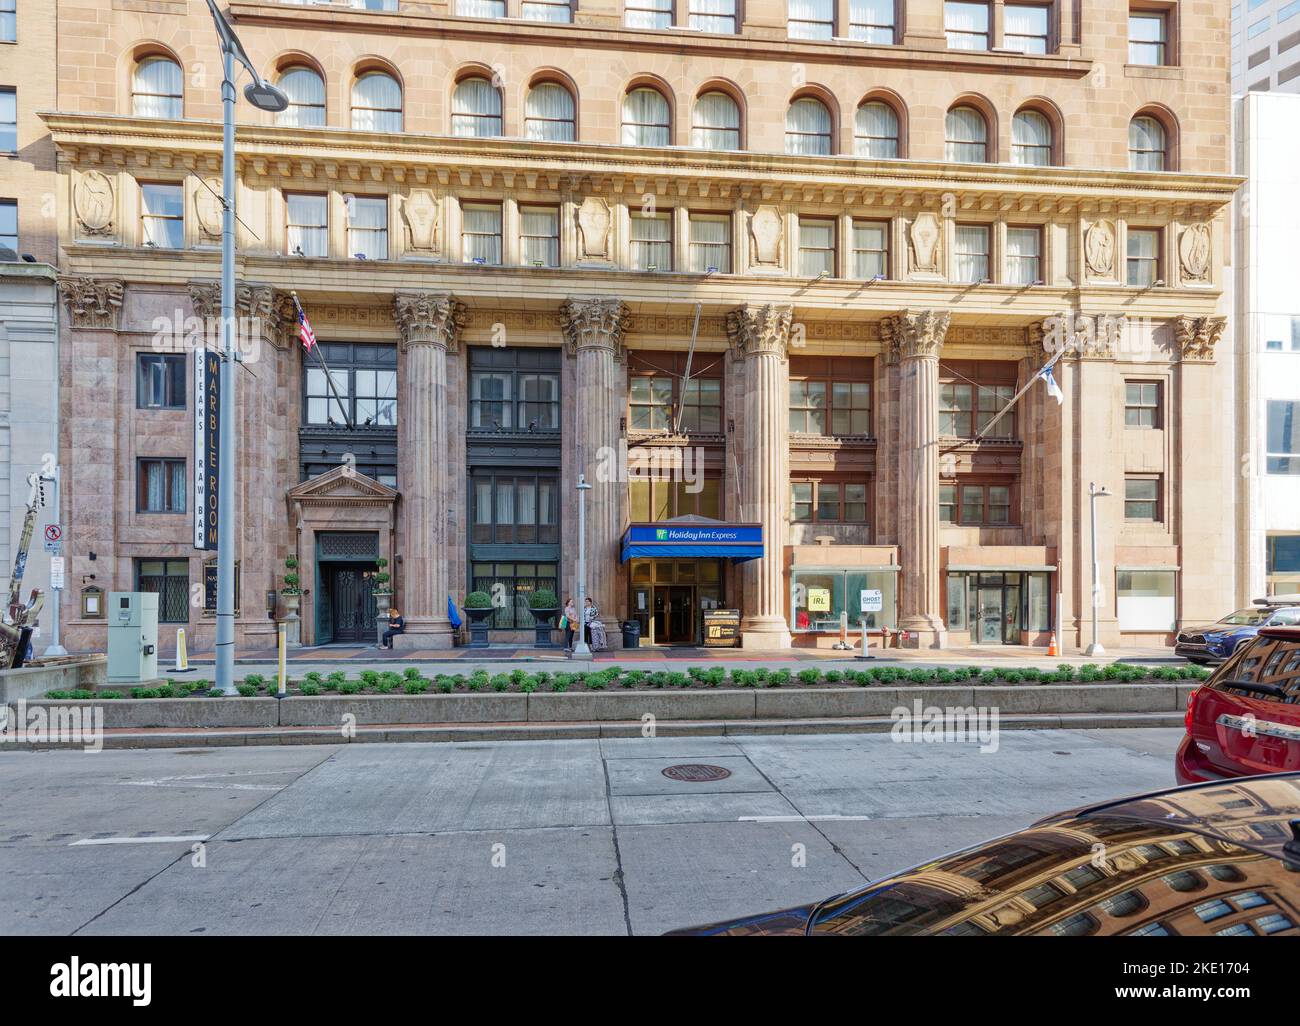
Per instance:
x=693, y=540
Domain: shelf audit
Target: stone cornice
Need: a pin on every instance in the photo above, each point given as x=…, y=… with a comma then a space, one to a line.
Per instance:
x=349, y=158
x=1197, y=337
x=91, y=302
x=915, y=333
x=760, y=328
x=429, y=318
x=595, y=322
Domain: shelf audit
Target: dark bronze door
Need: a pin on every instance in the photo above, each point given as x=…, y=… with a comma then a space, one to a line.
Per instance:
x=352, y=602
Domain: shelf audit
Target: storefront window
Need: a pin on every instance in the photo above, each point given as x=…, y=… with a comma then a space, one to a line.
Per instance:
x=510, y=584
x=821, y=595
x=1145, y=600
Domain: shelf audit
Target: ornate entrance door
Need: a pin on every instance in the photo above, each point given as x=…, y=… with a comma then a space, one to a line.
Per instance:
x=352, y=604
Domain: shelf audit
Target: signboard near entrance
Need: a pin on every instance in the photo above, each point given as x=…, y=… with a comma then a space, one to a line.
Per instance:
x=721, y=628
x=873, y=600
x=207, y=436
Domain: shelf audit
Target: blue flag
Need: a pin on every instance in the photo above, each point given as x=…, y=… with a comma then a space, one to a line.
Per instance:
x=452, y=615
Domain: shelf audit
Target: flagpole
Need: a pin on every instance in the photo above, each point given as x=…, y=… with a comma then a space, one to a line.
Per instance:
x=320, y=358
x=1016, y=398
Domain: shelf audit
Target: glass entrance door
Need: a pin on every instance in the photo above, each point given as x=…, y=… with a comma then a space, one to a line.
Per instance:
x=681, y=616
x=989, y=615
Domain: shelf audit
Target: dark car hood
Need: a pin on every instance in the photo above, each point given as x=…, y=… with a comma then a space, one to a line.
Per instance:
x=1219, y=628
x=790, y=922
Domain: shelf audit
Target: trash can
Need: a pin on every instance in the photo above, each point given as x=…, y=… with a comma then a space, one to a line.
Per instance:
x=632, y=634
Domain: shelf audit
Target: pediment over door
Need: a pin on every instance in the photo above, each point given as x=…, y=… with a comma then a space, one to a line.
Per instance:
x=342, y=487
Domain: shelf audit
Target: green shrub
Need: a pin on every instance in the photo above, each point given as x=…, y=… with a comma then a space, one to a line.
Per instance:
x=596, y=682
x=833, y=676
x=517, y=676
x=444, y=685
x=761, y=674
x=633, y=678
x=57, y=695
x=779, y=679
x=561, y=682
x=478, y=600
x=543, y=598
x=1012, y=676
x=744, y=678
x=543, y=678
x=1031, y=673
x=337, y=677
x=329, y=683
x=416, y=685
x=309, y=688
x=411, y=673
x=698, y=673
x=369, y=677
x=919, y=676
x=528, y=685
x=256, y=679
x=150, y=692
x=988, y=676
x=502, y=683
x=716, y=675
x=215, y=692
x=810, y=676
x=313, y=675
x=350, y=687
x=678, y=680
x=247, y=690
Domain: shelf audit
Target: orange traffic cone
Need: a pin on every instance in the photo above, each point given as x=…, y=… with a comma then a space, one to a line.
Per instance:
x=1051, y=648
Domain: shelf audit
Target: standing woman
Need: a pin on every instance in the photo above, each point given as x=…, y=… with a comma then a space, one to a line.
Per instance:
x=570, y=622
x=595, y=629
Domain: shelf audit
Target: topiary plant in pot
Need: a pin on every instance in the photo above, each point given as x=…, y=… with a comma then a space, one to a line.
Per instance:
x=478, y=606
x=543, y=604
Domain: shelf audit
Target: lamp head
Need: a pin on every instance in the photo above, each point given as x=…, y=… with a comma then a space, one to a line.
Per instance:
x=264, y=96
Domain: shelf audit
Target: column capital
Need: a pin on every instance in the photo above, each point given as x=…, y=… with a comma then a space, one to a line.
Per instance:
x=269, y=307
x=429, y=319
x=760, y=328
x=595, y=322
x=1197, y=337
x=1083, y=336
x=911, y=334
x=91, y=302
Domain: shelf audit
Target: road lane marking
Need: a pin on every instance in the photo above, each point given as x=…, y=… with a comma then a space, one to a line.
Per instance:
x=137, y=840
x=794, y=819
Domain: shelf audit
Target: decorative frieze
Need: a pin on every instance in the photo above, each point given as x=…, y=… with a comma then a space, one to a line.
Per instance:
x=760, y=328
x=255, y=302
x=429, y=318
x=595, y=322
x=915, y=333
x=92, y=302
x=1082, y=335
x=1197, y=337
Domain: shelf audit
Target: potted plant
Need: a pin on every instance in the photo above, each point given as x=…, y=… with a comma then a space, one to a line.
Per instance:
x=382, y=591
x=478, y=605
x=543, y=604
x=291, y=590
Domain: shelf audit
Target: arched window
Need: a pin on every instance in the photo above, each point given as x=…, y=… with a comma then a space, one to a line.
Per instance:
x=549, y=113
x=377, y=103
x=306, y=91
x=1031, y=139
x=715, y=124
x=475, y=109
x=808, y=127
x=157, y=89
x=967, y=136
x=1148, y=145
x=875, y=131
x=646, y=121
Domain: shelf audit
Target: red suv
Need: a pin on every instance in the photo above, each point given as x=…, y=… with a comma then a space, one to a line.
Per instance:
x=1246, y=718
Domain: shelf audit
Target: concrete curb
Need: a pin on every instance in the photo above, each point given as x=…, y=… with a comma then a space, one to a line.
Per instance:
x=392, y=733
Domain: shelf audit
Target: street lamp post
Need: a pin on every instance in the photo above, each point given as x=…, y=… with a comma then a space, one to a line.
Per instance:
x=1095, y=493
x=581, y=650
x=264, y=96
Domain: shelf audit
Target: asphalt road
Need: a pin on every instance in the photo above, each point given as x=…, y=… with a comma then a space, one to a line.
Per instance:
x=513, y=837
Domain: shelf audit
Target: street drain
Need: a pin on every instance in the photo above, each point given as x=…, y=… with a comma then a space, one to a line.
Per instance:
x=696, y=773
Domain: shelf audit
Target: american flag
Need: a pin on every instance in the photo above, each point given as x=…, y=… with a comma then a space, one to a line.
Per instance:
x=304, y=329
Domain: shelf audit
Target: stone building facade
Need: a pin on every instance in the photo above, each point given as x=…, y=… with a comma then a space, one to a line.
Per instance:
x=767, y=274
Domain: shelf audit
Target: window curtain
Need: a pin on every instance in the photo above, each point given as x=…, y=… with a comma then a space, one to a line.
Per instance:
x=482, y=233
x=710, y=245
x=177, y=487
x=808, y=128
x=713, y=15
x=475, y=109
x=972, y=252
x=872, y=21
x=645, y=118
x=369, y=228
x=306, y=226
x=869, y=248
x=651, y=14
x=481, y=8
x=1146, y=145
x=154, y=486
x=876, y=129
x=306, y=92
x=1031, y=139
x=157, y=89
x=717, y=123
x=549, y=113
x=811, y=19
x=163, y=220
x=1022, y=255
x=969, y=19
x=541, y=237
x=967, y=136
x=652, y=242
x=561, y=12
x=377, y=103
x=1021, y=20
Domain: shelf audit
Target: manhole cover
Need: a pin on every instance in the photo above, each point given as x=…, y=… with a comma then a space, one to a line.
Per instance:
x=696, y=773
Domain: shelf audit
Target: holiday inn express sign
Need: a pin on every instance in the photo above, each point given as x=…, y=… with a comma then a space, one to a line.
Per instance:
x=703, y=541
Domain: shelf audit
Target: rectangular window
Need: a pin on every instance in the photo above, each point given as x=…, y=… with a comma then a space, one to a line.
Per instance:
x=828, y=502
x=967, y=409
x=808, y=407
x=8, y=21
x=307, y=221
x=966, y=25
x=972, y=253
x=652, y=242
x=512, y=584
x=8, y=229
x=511, y=508
x=170, y=580
x=160, y=382
x=648, y=14
x=975, y=505
x=1145, y=600
x=1024, y=256
x=850, y=408
x=811, y=19
x=1025, y=28
x=650, y=402
x=375, y=393
x=710, y=243
x=1258, y=28
x=948, y=504
x=539, y=236
x=481, y=233
x=713, y=16
x=368, y=227
x=872, y=21
x=870, y=250
x=655, y=500
x=162, y=216
x=365, y=386
x=547, y=10
x=1146, y=38
x=1282, y=554
x=8, y=120
x=1283, y=436
x=160, y=486
x=1142, y=404
x=1143, y=257
x=1289, y=11
x=481, y=8
x=524, y=399
x=816, y=248
x=702, y=405
x=1142, y=499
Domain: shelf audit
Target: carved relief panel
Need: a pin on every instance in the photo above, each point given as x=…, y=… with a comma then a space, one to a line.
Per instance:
x=1099, y=261
x=766, y=233
x=595, y=231
x=923, y=246
x=94, y=205
x=1195, y=249
x=422, y=224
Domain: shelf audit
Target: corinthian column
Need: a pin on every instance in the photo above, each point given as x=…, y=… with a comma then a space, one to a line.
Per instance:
x=429, y=323
x=594, y=329
x=917, y=336
x=760, y=338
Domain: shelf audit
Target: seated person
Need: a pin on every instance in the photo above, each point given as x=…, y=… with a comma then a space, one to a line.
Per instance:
x=396, y=626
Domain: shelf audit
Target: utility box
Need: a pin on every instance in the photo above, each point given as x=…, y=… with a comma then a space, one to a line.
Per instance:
x=132, y=637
